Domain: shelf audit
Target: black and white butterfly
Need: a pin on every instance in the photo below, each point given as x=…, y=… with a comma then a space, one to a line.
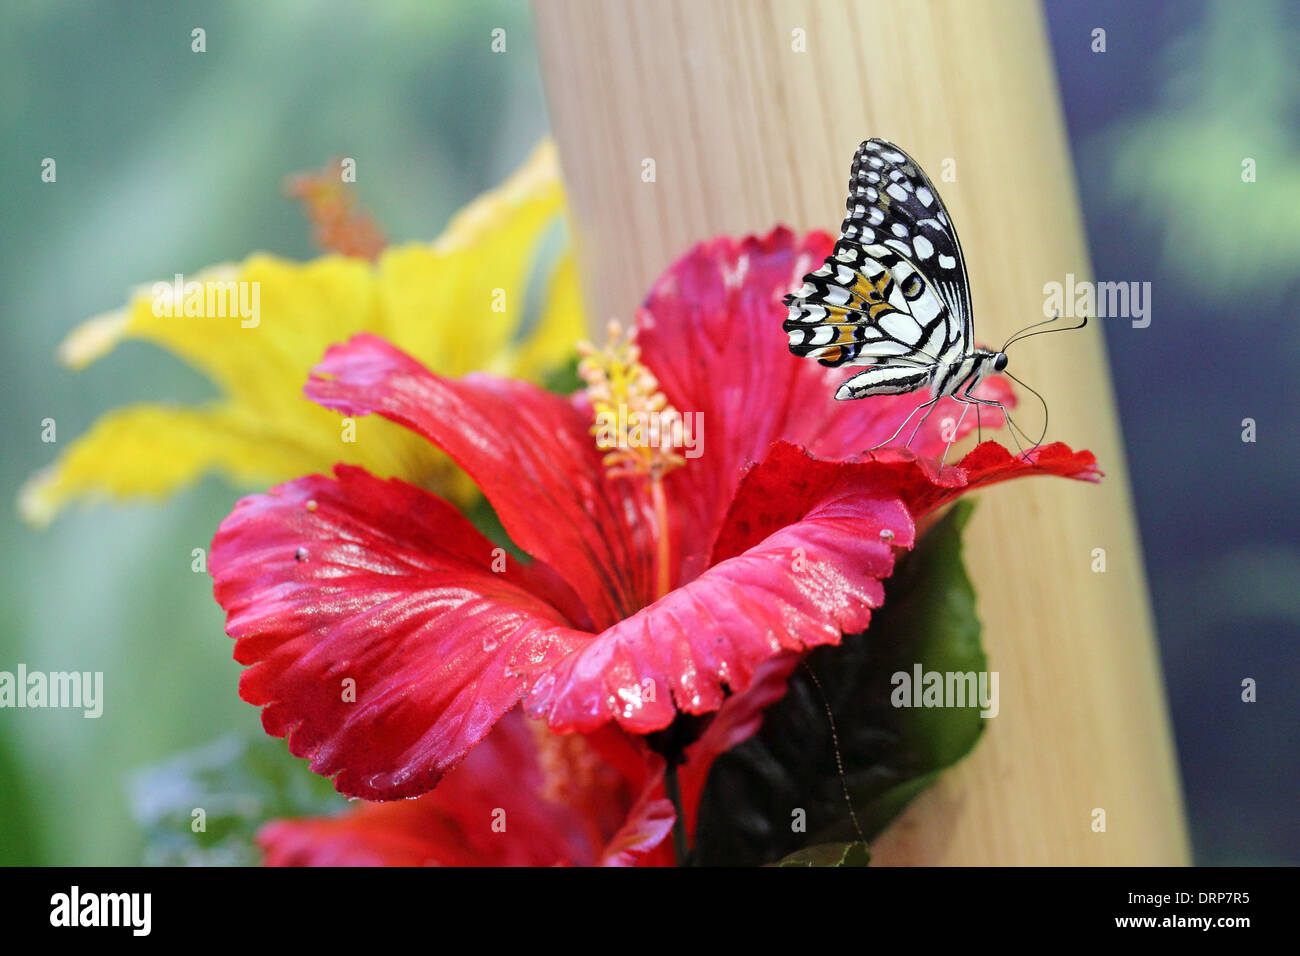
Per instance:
x=894, y=295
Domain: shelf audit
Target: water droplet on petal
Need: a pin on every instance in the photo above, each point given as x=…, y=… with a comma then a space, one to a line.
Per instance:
x=489, y=644
x=311, y=505
x=886, y=534
x=301, y=555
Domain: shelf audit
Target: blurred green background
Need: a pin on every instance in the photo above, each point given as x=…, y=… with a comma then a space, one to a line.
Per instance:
x=170, y=161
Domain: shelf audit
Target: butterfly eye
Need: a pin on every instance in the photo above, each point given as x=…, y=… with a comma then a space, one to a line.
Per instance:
x=1000, y=362
x=912, y=287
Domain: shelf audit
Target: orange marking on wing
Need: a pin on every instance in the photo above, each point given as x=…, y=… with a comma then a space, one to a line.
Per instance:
x=872, y=290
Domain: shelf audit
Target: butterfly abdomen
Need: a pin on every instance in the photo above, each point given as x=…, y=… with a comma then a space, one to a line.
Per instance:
x=885, y=380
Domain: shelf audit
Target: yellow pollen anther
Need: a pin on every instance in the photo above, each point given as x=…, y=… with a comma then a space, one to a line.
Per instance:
x=635, y=426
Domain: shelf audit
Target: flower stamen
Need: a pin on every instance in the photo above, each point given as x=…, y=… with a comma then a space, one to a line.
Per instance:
x=338, y=223
x=636, y=427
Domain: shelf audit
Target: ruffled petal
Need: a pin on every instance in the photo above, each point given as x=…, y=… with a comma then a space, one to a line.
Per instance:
x=530, y=452
x=379, y=587
x=802, y=584
x=779, y=490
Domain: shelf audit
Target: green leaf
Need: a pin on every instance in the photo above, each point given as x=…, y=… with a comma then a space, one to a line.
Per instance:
x=239, y=784
x=830, y=854
x=564, y=379
x=780, y=791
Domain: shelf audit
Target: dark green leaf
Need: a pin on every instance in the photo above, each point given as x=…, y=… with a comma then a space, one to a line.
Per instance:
x=830, y=854
x=781, y=791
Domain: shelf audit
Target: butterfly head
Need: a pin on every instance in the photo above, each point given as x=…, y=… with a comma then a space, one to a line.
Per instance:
x=989, y=362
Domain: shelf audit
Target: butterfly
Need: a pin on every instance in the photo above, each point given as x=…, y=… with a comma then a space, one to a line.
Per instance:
x=894, y=296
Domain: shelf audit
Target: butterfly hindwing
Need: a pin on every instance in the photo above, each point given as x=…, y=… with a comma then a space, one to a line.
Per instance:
x=867, y=305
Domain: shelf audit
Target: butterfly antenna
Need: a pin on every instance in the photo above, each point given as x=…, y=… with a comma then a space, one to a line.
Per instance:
x=1014, y=335
x=835, y=742
x=1025, y=333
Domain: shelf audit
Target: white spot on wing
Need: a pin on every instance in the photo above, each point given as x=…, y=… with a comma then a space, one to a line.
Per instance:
x=902, y=327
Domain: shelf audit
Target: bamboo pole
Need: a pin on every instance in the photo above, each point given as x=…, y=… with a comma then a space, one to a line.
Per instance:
x=745, y=132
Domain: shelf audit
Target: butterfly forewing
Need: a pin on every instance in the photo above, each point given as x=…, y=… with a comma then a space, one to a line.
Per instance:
x=892, y=202
x=894, y=289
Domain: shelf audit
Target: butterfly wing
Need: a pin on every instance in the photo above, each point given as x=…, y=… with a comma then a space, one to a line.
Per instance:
x=867, y=305
x=894, y=290
x=893, y=203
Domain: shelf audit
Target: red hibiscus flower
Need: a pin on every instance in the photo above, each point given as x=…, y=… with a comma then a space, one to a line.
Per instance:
x=385, y=636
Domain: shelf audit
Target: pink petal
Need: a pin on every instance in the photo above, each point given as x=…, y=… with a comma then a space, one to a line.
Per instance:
x=645, y=833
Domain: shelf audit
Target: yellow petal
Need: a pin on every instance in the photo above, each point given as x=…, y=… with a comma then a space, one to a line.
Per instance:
x=176, y=443
x=459, y=304
x=93, y=339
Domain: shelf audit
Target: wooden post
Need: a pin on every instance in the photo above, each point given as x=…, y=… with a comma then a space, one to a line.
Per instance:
x=750, y=111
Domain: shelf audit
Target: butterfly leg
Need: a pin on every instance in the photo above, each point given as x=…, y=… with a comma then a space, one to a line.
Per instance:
x=912, y=437
x=900, y=428
x=889, y=380
x=1012, y=427
x=958, y=428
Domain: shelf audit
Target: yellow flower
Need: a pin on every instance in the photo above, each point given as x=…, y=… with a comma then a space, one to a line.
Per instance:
x=478, y=298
